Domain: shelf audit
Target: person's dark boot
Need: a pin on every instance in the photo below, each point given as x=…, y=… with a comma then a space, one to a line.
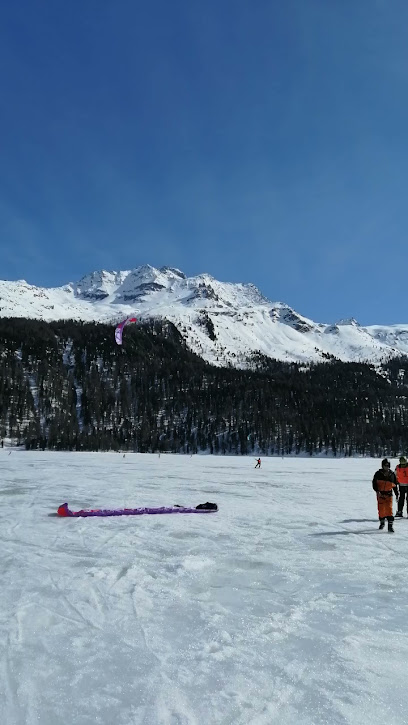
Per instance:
x=390, y=528
x=382, y=524
x=398, y=515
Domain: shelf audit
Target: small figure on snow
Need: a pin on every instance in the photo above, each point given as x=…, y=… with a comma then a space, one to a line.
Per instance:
x=384, y=483
x=401, y=473
x=258, y=463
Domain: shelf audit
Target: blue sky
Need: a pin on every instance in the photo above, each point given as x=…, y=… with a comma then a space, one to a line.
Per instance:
x=256, y=140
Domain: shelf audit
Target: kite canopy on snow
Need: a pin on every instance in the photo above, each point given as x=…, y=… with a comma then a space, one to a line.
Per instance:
x=119, y=328
x=202, y=508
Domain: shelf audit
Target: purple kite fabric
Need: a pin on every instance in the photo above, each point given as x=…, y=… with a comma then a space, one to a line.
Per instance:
x=63, y=510
x=119, y=328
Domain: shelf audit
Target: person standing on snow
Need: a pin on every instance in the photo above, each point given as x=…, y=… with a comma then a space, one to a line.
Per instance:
x=384, y=483
x=258, y=463
x=401, y=473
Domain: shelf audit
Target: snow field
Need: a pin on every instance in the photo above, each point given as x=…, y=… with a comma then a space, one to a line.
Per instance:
x=288, y=606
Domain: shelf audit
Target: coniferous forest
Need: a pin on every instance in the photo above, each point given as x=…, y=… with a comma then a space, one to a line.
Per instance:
x=68, y=386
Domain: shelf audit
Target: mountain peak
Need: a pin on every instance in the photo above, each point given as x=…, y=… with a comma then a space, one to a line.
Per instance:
x=98, y=285
x=174, y=271
x=224, y=322
x=349, y=321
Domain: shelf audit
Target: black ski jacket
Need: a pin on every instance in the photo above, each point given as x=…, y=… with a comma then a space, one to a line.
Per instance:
x=381, y=476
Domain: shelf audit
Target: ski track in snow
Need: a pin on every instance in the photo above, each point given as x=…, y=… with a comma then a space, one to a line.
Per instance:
x=287, y=606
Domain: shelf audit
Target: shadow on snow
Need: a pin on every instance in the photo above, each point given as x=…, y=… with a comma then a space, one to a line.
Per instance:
x=345, y=533
x=359, y=521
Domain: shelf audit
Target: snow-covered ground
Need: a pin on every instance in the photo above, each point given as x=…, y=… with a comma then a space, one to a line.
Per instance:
x=287, y=606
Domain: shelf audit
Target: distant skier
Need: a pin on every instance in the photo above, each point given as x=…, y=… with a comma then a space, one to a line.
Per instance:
x=401, y=473
x=384, y=483
x=258, y=463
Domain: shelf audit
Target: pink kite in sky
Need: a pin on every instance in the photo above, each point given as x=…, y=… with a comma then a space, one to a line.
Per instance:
x=119, y=329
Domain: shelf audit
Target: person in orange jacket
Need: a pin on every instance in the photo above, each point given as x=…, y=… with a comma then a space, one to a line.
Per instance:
x=384, y=483
x=401, y=473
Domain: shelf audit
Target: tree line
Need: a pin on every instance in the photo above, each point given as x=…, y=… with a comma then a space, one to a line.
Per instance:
x=67, y=386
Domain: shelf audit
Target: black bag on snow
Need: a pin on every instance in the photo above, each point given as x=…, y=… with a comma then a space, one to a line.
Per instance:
x=208, y=506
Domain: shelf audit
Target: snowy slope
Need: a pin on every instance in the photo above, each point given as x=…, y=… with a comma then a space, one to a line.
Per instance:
x=244, y=617
x=223, y=322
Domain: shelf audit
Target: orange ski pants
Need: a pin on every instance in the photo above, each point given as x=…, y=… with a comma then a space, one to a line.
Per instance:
x=384, y=506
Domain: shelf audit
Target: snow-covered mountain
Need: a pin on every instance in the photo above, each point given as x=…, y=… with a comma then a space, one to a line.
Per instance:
x=223, y=322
